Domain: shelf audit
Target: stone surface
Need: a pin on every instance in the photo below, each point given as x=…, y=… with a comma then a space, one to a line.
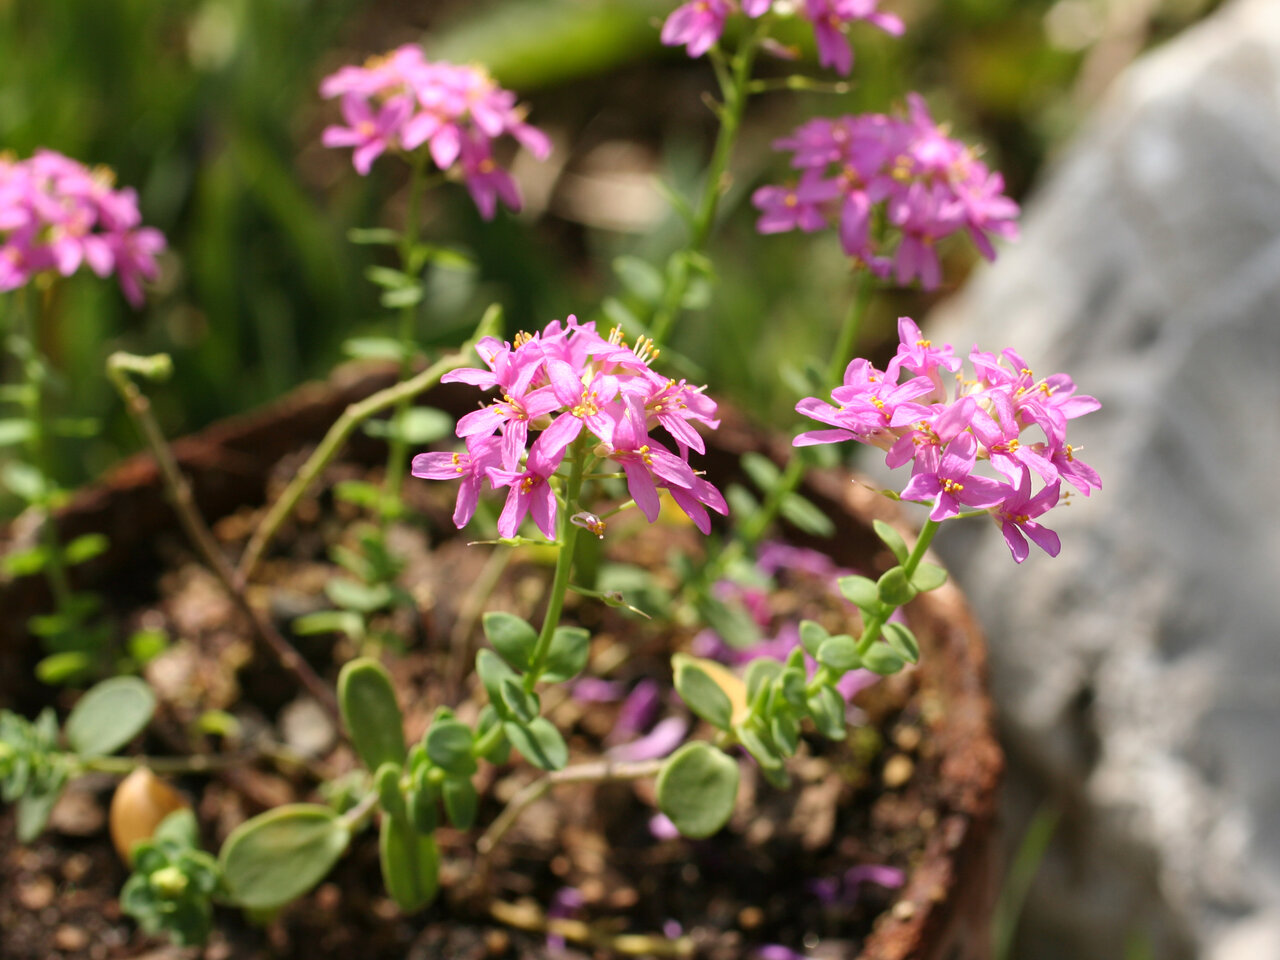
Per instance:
x=1139, y=673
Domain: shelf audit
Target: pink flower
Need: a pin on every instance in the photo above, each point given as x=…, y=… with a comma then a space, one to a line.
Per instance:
x=529, y=493
x=472, y=468
x=953, y=483
x=930, y=186
x=403, y=102
x=697, y=25
x=1016, y=516
x=58, y=215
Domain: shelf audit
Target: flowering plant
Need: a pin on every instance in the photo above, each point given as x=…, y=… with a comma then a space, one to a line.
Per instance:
x=573, y=427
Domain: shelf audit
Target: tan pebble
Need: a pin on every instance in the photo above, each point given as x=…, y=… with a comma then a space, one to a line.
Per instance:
x=592, y=890
x=99, y=951
x=497, y=942
x=898, y=770
x=140, y=804
x=750, y=917
x=218, y=950
x=328, y=897
x=904, y=910
x=560, y=865
x=907, y=738
x=70, y=939
x=624, y=898
x=77, y=867
x=928, y=819
x=37, y=894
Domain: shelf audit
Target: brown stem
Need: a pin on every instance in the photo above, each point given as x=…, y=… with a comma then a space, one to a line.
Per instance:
x=119, y=365
x=597, y=772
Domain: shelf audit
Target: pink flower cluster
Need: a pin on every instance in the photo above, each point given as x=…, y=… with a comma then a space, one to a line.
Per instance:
x=697, y=25
x=931, y=186
x=569, y=382
x=994, y=417
x=56, y=214
x=402, y=101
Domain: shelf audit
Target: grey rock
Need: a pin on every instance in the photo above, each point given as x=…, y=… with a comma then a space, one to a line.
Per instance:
x=1138, y=674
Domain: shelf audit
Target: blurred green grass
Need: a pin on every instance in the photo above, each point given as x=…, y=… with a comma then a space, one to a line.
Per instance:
x=210, y=109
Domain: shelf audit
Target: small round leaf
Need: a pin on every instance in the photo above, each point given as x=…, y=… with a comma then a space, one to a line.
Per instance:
x=370, y=712
x=697, y=789
x=894, y=587
x=839, y=653
x=280, y=855
x=511, y=637
x=539, y=742
x=570, y=648
x=109, y=716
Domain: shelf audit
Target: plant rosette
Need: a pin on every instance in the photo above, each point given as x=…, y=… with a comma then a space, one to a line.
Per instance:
x=867, y=835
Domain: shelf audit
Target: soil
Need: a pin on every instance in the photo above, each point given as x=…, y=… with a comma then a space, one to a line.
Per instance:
x=878, y=798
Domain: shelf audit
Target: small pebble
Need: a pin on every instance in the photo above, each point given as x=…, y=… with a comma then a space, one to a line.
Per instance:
x=750, y=917
x=496, y=942
x=907, y=738
x=77, y=867
x=36, y=894
x=904, y=910
x=70, y=939
x=898, y=770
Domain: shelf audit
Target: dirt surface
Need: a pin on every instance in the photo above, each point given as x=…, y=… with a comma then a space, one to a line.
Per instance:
x=871, y=800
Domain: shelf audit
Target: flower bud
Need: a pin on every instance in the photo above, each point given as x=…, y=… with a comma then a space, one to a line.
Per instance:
x=169, y=882
x=139, y=806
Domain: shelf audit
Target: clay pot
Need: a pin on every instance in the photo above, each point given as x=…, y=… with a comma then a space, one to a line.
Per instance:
x=943, y=912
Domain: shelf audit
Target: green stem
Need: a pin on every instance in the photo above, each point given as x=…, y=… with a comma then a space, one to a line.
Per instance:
x=398, y=454
x=36, y=376
x=871, y=629
x=564, y=564
x=735, y=88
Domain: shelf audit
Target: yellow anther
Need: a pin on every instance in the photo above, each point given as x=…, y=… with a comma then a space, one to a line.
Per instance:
x=951, y=486
x=791, y=201
x=527, y=484
x=522, y=338
x=924, y=343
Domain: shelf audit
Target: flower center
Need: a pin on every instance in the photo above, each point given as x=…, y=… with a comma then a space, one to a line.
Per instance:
x=951, y=486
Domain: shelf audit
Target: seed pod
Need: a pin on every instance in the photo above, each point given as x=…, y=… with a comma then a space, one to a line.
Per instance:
x=141, y=802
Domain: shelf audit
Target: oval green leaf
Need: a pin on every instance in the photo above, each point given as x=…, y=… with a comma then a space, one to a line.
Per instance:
x=570, y=648
x=511, y=637
x=539, y=742
x=892, y=539
x=449, y=744
x=410, y=864
x=697, y=789
x=894, y=588
x=928, y=576
x=278, y=856
x=903, y=641
x=109, y=716
x=370, y=712
x=702, y=694
x=839, y=653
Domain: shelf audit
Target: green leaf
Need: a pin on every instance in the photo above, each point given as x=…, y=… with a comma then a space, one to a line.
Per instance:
x=147, y=644
x=23, y=480
x=766, y=754
x=619, y=315
x=421, y=802
x=447, y=258
x=839, y=653
x=928, y=576
x=760, y=672
x=330, y=621
x=862, y=591
x=179, y=828
x=641, y=279
x=410, y=864
x=805, y=516
x=278, y=856
x=390, y=279
x=492, y=670
x=611, y=598
x=902, y=640
x=460, y=802
x=892, y=539
x=514, y=639
x=697, y=789
x=377, y=236
x=25, y=563
x=387, y=782
x=894, y=588
x=85, y=548
x=362, y=598
x=827, y=708
x=64, y=668
x=373, y=348
x=567, y=657
x=812, y=636
x=110, y=715
x=448, y=743
x=370, y=712
x=702, y=694
x=522, y=704
x=731, y=621
x=35, y=806
x=418, y=425
x=539, y=742
x=79, y=428
x=790, y=684
x=402, y=297
x=762, y=471
x=14, y=431
x=786, y=733
x=882, y=659
x=742, y=502
x=362, y=494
